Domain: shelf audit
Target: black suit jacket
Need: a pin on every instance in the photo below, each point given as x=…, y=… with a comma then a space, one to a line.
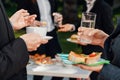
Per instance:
x=103, y=22
x=70, y=12
x=112, y=52
x=13, y=52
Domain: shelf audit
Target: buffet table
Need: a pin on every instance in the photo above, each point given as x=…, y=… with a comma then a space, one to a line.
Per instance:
x=58, y=70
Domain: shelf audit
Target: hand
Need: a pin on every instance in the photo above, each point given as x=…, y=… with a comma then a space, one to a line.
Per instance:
x=66, y=27
x=58, y=18
x=36, y=23
x=96, y=36
x=90, y=68
x=33, y=41
x=21, y=19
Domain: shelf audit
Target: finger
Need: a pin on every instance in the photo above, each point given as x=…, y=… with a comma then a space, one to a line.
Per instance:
x=36, y=23
x=63, y=30
x=55, y=13
x=81, y=43
x=44, y=41
x=93, y=32
x=30, y=19
x=83, y=66
x=23, y=10
x=61, y=26
x=24, y=14
x=81, y=29
x=80, y=33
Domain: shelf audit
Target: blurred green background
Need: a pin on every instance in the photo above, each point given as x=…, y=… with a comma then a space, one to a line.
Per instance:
x=11, y=7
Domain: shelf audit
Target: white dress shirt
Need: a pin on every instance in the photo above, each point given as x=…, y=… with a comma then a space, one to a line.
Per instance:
x=45, y=13
x=90, y=4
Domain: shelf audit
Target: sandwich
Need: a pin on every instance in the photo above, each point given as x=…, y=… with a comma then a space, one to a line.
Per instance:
x=74, y=37
x=83, y=58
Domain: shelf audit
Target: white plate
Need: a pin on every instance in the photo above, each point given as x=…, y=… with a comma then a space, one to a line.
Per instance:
x=48, y=37
x=73, y=41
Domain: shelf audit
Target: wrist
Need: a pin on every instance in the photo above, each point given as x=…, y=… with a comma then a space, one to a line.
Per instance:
x=103, y=41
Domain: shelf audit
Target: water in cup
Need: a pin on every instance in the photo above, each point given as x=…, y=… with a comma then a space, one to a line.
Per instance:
x=88, y=23
x=88, y=19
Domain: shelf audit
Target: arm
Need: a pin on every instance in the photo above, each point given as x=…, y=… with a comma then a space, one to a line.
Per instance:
x=13, y=58
x=112, y=72
x=14, y=55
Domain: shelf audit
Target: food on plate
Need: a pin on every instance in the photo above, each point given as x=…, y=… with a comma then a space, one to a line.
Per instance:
x=93, y=57
x=37, y=56
x=82, y=58
x=74, y=37
x=77, y=58
x=41, y=59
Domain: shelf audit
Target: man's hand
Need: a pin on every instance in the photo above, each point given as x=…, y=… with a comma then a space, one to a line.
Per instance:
x=90, y=68
x=66, y=28
x=96, y=36
x=33, y=41
x=21, y=19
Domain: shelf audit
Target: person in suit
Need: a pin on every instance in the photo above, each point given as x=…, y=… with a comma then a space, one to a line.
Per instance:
x=110, y=45
x=14, y=52
x=71, y=20
x=103, y=22
x=44, y=10
x=33, y=7
x=100, y=7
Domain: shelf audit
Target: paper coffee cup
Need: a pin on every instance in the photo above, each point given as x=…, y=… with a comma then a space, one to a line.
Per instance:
x=42, y=31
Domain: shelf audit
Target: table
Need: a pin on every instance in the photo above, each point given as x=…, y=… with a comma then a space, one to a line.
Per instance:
x=58, y=70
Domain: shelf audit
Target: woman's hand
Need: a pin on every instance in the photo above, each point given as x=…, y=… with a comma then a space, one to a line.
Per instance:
x=58, y=18
x=21, y=19
x=66, y=28
x=96, y=36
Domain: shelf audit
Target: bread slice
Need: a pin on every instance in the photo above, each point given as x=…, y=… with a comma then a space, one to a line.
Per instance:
x=93, y=57
x=76, y=58
x=74, y=37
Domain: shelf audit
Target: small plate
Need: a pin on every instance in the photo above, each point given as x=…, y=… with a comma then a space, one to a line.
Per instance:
x=100, y=61
x=73, y=41
x=48, y=37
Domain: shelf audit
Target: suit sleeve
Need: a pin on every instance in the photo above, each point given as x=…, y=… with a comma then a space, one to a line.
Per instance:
x=13, y=58
x=109, y=72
